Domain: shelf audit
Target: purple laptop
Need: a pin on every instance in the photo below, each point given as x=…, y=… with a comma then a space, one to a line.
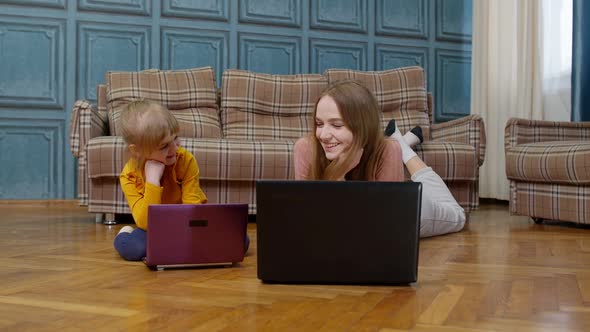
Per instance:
x=190, y=235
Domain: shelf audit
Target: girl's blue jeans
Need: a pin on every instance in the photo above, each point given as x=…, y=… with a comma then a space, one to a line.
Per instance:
x=132, y=246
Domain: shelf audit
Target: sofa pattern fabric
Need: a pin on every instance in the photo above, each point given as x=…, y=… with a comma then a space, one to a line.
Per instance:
x=87, y=122
x=268, y=107
x=556, y=162
x=401, y=93
x=259, y=118
x=548, y=166
x=248, y=159
x=189, y=94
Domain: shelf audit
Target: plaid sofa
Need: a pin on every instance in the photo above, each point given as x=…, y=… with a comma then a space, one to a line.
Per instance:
x=245, y=131
x=548, y=166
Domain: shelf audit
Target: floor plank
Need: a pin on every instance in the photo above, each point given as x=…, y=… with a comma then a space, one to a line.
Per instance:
x=502, y=273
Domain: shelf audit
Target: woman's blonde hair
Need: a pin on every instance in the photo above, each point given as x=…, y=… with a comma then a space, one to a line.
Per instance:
x=361, y=114
x=144, y=124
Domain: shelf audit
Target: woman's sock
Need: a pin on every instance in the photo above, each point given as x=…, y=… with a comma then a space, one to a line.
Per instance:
x=407, y=152
x=412, y=137
x=393, y=132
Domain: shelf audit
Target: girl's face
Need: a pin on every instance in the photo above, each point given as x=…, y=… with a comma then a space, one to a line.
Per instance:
x=166, y=151
x=334, y=136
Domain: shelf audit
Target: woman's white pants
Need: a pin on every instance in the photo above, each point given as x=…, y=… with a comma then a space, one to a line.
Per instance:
x=441, y=214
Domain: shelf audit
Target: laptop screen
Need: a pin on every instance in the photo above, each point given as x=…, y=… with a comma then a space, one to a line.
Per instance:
x=338, y=232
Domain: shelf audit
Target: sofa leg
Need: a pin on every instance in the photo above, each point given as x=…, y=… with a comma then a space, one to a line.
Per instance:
x=538, y=221
x=110, y=219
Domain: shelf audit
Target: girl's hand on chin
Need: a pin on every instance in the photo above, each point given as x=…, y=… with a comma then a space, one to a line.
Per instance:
x=153, y=171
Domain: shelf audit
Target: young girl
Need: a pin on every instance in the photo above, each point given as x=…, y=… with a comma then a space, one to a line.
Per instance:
x=348, y=145
x=158, y=172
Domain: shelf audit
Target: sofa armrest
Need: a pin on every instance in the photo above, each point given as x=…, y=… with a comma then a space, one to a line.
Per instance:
x=86, y=122
x=468, y=129
x=522, y=131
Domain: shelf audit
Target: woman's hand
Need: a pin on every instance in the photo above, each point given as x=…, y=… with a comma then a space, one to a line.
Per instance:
x=153, y=171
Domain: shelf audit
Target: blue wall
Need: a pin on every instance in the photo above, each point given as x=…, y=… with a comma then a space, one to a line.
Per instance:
x=53, y=52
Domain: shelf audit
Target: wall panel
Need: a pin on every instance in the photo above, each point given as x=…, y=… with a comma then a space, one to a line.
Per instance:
x=53, y=52
x=192, y=48
x=395, y=56
x=327, y=53
x=271, y=12
x=346, y=15
x=109, y=47
x=454, y=21
x=403, y=18
x=38, y=170
x=453, y=84
x=137, y=7
x=198, y=9
x=32, y=63
x=270, y=53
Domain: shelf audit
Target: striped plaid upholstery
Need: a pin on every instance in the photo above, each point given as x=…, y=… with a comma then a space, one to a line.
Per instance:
x=548, y=165
x=566, y=162
x=86, y=122
x=189, y=94
x=250, y=160
x=522, y=131
x=101, y=93
x=237, y=161
x=268, y=107
x=550, y=201
x=468, y=129
x=260, y=118
x=217, y=158
x=451, y=161
x=401, y=93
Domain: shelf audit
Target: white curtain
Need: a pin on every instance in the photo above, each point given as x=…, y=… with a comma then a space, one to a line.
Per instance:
x=521, y=67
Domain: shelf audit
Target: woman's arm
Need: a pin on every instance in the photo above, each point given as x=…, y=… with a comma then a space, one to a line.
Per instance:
x=391, y=166
x=302, y=153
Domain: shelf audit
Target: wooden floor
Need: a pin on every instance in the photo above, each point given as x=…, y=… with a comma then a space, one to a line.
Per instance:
x=59, y=271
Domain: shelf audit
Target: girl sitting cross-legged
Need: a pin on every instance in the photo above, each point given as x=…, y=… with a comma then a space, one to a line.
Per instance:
x=159, y=171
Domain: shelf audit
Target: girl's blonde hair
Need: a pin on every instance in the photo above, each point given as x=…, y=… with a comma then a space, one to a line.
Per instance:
x=361, y=114
x=144, y=124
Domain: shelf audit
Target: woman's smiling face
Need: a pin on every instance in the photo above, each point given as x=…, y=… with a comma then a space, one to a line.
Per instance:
x=333, y=134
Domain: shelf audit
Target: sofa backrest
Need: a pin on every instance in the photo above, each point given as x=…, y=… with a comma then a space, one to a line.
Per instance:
x=400, y=92
x=190, y=94
x=261, y=106
x=258, y=106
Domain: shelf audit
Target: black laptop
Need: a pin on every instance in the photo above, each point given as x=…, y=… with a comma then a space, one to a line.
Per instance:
x=345, y=232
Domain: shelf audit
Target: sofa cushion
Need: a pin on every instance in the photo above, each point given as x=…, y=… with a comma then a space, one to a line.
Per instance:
x=268, y=107
x=235, y=160
x=190, y=94
x=240, y=160
x=559, y=162
x=401, y=93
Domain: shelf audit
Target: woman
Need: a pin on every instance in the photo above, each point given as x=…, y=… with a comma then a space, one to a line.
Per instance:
x=347, y=144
